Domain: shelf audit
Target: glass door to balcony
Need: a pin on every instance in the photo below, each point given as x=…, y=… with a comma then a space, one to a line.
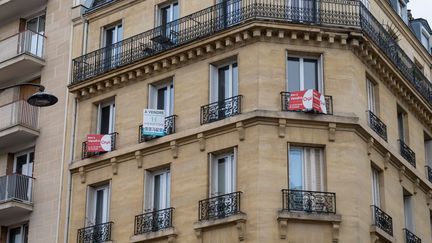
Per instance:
x=98, y=205
x=112, y=35
x=168, y=13
x=23, y=165
x=34, y=38
x=18, y=234
x=161, y=190
x=224, y=85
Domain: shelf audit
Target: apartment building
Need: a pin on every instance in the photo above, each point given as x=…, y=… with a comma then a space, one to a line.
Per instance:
x=282, y=121
x=34, y=48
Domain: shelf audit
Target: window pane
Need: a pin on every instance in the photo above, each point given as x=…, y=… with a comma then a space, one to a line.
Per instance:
x=401, y=126
x=175, y=12
x=157, y=192
x=310, y=74
x=15, y=235
x=293, y=74
x=21, y=161
x=221, y=176
x=99, y=206
x=104, y=121
x=235, y=79
x=161, y=98
x=223, y=77
x=295, y=169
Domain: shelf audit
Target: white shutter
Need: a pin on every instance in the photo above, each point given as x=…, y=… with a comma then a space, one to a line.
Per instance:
x=213, y=84
x=213, y=172
x=307, y=170
x=148, y=190
x=428, y=148
x=99, y=119
x=112, y=117
x=152, y=97
x=168, y=189
x=321, y=74
x=375, y=188
x=234, y=170
x=90, y=212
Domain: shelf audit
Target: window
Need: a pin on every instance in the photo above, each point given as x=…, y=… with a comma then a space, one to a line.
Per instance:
x=161, y=97
x=304, y=73
x=223, y=81
x=371, y=88
x=428, y=149
x=402, y=9
x=223, y=173
x=402, y=129
x=112, y=35
x=36, y=35
x=407, y=200
x=98, y=204
x=23, y=163
x=376, y=198
x=425, y=39
x=168, y=13
x=106, y=117
x=18, y=234
x=157, y=190
x=306, y=168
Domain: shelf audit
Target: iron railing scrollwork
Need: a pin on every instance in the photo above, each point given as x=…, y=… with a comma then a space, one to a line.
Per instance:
x=169, y=129
x=382, y=220
x=407, y=153
x=219, y=207
x=377, y=125
x=410, y=237
x=309, y=201
x=429, y=172
x=153, y=221
x=285, y=100
x=85, y=154
x=221, y=109
x=95, y=234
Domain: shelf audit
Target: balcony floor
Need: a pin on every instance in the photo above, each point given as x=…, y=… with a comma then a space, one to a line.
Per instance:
x=14, y=135
x=11, y=211
x=13, y=8
x=20, y=67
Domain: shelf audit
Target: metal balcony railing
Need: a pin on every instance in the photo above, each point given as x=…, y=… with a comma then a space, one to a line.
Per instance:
x=99, y=233
x=85, y=154
x=285, y=100
x=19, y=113
x=219, y=207
x=169, y=129
x=407, y=153
x=27, y=42
x=429, y=172
x=377, y=125
x=16, y=187
x=382, y=220
x=410, y=237
x=220, y=110
x=309, y=201
x=219, y=17
x=153, y=221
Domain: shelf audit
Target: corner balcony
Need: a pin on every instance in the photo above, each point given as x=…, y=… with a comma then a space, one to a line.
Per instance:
x=382, y=224
x=377, y=125
x=13, y=8
x=21, y=56
x=410, y=237
x=18, y=122
x=15, y=197
x=407, y=153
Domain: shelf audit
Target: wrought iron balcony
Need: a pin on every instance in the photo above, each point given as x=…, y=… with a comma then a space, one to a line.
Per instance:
x=410, y=237
x=219, y=207
x=153, y=221
x=85, y=154
x=16, y=187
x=429, y=173
x=382, y=220
x=95, y=234
x=407, y=153
x=309, y=201
x=285, y=101
x=169, y=129
x=377, y=125
x=221, y=109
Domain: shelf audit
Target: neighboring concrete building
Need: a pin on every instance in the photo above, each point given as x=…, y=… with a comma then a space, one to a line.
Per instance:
x=236, y=164
x=34, y=47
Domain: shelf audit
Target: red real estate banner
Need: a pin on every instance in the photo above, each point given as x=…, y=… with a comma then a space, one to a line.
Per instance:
x=307, y=100
x=98, y=143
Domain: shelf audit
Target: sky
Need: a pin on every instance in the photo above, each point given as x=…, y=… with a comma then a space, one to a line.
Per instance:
x=421, y=9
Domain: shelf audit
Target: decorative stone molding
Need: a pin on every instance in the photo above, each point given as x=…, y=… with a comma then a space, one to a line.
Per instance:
x=241, y=229
x=370, y=146
x=429, y=198
x=139, y=159
x=282, y=126
x=401, y=173
x=170, y=234
x=241, y=131
x=416, y=186
x=82, y=174
x=114, y=165
x=335, y=232
x=174, y=149
x=379, y=235
x=387, y=159
x=201, y=141
x=332, y=132
x=237, y=220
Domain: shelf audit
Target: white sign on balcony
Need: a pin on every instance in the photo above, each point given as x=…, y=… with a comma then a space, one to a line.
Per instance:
x=154, y=122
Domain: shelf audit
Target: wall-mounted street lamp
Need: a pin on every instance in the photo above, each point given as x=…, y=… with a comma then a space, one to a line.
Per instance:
x=40, y=98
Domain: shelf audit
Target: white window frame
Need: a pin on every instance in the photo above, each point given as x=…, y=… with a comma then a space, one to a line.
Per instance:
x=214, y=80
x=230, y=172
x=376, y=194
x=116, y=28
x=169, y=98
x=29, y=165
x=311, y=183
x=149, y=203
x=371, y=96
x=92, y=201
x=171, y=12
x=425, y=34
x=111, y=122
x=408, y=212
x=320, y=68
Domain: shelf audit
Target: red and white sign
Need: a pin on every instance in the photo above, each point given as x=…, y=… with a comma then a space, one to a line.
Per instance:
x=98, y=143
x=307, y=100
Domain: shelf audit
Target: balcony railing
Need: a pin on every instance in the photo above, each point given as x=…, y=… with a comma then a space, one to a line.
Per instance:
x=153, y=221
x=219, y=207
x=169, y=129
x=382, y=220
x=407, y=153
x=309, y=201
x=27, y=42
x=95, y=234
x=429, y=172
x=221, y=109
x=377, y=125
x=16, y=187
x=85, y=154
x=285, y=100
x=410, y=237
x=19, y=113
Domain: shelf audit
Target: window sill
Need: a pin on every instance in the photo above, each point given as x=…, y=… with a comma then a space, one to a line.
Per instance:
x=239, y=220
x=169, y=233
x=284, y=217
x=379, y=234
